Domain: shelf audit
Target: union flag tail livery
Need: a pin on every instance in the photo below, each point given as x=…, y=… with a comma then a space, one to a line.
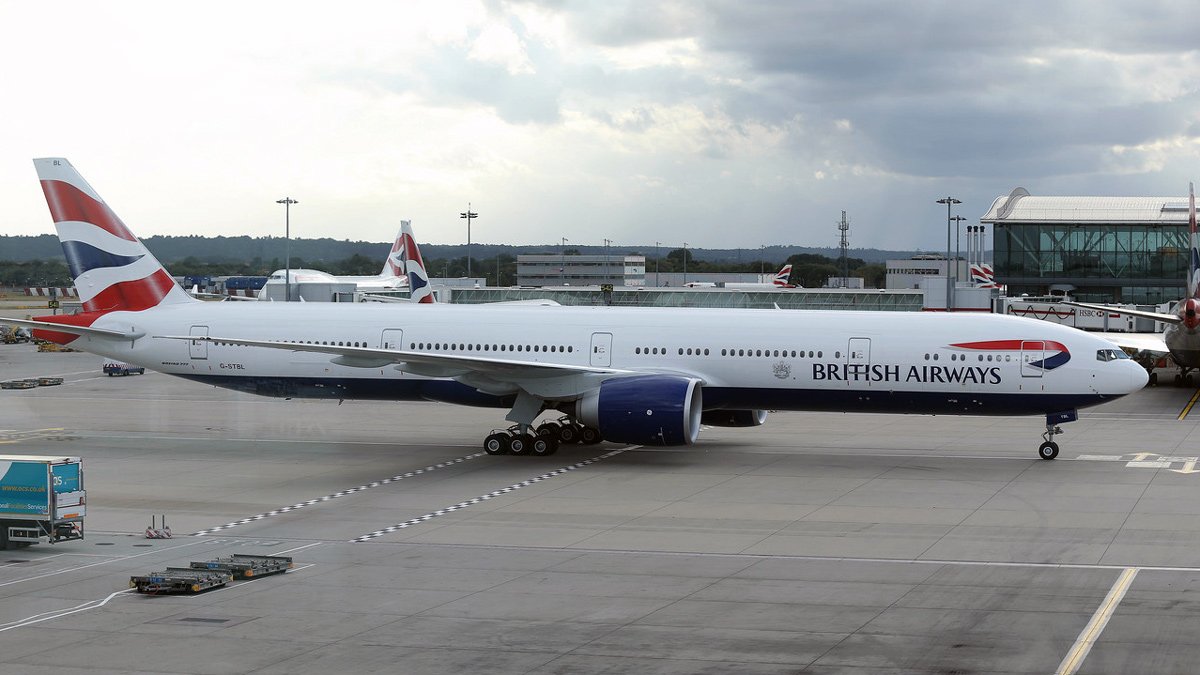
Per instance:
x=393, y=266
x=783, y=277
x=418, y=279
x=113, y=270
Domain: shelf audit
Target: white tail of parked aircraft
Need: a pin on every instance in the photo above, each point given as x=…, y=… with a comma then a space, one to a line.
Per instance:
x=640, y=375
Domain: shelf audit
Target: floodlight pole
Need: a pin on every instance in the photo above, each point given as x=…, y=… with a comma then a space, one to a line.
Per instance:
x=287, y=246
x=949, y=202
x=468, y=214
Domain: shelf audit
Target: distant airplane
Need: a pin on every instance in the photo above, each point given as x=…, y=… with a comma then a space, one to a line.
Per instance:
x=391, y=278
x=781, y=281
x=638, y=375
x=1181, y=339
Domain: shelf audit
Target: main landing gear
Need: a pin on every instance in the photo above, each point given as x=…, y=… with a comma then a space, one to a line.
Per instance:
x=518, y=440
x=1049, y=449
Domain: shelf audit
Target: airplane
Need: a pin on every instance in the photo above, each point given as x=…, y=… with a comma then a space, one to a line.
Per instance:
x=781, y=281
x=406, y=256
x=392, y=277
x=636, y=375
x=1181, y=339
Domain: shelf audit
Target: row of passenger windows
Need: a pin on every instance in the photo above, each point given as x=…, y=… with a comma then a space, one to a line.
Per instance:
x=455, y=346
x=981, y=357
x=330, y=343
x=697, y=351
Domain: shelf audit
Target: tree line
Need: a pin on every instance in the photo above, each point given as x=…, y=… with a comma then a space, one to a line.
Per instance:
x=810, y=270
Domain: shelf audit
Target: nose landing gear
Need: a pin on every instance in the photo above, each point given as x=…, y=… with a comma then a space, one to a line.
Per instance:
x=1049, y=449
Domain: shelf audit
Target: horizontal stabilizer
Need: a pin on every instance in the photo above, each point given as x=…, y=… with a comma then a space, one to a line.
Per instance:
x=75, y=330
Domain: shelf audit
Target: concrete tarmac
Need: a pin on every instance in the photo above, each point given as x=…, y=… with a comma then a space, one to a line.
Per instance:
x=818, y=543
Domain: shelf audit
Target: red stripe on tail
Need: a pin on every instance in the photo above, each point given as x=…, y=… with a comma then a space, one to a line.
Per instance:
x=132, y=296
x=68, y=202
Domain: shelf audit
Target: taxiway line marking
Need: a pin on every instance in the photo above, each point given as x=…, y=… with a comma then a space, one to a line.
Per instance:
x=58, y=613
x=298, y=548
x=340, y=493
x=1091, y=632
x=102, y=562
x=1188, y=408
x=481, y=498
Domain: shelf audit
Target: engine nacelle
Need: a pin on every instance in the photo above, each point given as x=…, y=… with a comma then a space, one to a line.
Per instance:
x=644, y=409
x=733, y=418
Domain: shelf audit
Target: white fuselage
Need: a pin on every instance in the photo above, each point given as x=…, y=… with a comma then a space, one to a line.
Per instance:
x=781, y=359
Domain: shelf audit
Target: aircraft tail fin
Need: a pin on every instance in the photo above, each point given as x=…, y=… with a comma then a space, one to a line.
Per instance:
x=418, y=278
x=113, y=270
x=394, y=265
x=783, y=276
x=1193, y=245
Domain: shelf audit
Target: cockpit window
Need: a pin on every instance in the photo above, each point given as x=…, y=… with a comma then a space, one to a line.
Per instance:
x=1110, y=354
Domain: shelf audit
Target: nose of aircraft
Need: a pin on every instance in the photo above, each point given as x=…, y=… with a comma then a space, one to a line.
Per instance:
x=1138, y=377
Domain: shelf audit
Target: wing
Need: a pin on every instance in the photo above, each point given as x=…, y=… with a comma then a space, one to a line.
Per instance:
x=1143, y=342
x=419, y=363
x=1165, y=318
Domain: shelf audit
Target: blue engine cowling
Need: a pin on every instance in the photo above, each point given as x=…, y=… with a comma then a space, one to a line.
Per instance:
x=733, y=418
x=644, y=409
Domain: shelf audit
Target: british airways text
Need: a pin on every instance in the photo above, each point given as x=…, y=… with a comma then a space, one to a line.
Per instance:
x=877, y=372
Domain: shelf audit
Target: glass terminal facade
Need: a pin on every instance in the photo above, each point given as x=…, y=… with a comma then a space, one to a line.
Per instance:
x=1098, y=249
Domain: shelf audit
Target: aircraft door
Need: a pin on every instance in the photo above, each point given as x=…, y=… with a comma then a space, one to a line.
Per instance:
x=199, y=348
x=859, y=351
x=393, y=338
x=601, y=349
x=1032, y=351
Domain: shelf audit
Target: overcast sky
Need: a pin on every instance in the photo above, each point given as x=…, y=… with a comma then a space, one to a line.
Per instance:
x=722, y=124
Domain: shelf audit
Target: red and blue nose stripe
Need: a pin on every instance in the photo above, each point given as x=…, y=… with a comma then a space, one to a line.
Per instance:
x=1040, y=347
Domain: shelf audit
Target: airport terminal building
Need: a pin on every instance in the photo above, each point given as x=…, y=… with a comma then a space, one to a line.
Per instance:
x=1097, y=249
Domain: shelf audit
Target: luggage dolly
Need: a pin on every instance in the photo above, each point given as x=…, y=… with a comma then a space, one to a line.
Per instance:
x=247, y=566
x=180, y=580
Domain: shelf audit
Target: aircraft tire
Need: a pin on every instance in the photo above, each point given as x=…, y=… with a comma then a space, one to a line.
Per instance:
x=589, y=436
x=568, y=434
x=519, y=444
x=496, y=444
x=1048, y=450
x=1153, y=380
x=548, y=429
x=543, y=446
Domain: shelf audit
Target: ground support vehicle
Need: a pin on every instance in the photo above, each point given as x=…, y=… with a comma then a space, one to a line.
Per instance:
x=180, y=580
x=248, y=566
x=42, y=499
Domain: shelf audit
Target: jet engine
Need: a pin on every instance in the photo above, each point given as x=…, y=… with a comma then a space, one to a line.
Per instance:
x=644, y=409
x=733, y=418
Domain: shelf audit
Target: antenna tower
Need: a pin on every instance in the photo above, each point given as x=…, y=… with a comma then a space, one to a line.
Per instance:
x=843, y=248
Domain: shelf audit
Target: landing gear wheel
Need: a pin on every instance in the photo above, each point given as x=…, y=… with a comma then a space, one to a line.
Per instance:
x=1048, y=450
x=519, y=444
x=548, y=429
x=1153, y=379
x=496, y=444
x=589, y=436
x=568, y=434
x=543, y=446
